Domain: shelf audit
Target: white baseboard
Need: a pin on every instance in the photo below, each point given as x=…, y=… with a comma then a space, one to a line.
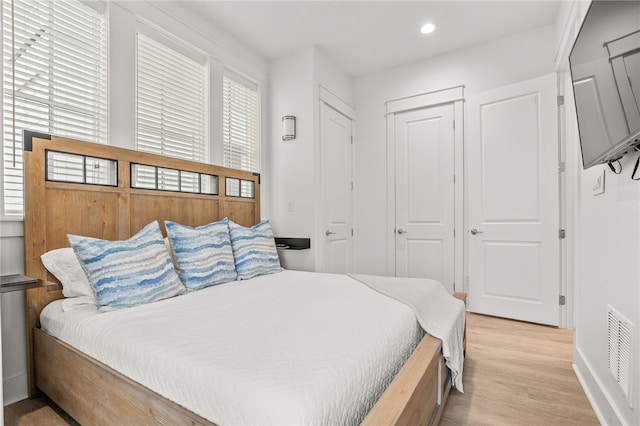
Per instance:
x=15, y=389
x=595, y=390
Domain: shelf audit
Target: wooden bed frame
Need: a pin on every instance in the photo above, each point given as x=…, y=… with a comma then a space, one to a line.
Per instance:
x=93, y=393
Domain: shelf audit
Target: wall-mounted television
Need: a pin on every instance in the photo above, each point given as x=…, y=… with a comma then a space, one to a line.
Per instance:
x=605, y=69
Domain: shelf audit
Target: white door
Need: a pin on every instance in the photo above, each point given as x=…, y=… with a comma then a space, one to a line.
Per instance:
x=337, y=187
x=424, y=168
x=513, y=201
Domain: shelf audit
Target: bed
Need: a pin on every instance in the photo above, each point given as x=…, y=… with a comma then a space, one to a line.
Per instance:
x=116, y=193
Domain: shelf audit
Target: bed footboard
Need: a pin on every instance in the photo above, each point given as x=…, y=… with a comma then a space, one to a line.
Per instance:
x=94, y=394
x=416, y=396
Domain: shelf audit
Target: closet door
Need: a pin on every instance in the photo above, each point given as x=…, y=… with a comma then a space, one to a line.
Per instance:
x=425, y=198
x=337, y=189
x=514, y=250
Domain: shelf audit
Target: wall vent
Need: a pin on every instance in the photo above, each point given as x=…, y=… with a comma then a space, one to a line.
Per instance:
x=619, y=350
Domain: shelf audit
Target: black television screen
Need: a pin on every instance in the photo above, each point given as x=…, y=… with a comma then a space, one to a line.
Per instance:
x=605, y=69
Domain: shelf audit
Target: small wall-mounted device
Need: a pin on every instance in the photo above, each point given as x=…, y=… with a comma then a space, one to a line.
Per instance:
x=288, y=127
x=598, y=184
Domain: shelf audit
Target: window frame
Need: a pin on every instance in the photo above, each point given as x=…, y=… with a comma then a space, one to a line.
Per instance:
x=256, y=88
x=53, y=119
x=168, y=41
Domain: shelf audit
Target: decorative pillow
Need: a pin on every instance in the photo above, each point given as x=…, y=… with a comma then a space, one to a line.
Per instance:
x=254, y=250
x=167, y=245
x=203, y=255
x=131, y=272
x=64, y=265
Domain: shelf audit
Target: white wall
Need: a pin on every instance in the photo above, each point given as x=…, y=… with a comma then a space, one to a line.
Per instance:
x=13, y=320
x=124, y=19
x=331, y=77
x=478, y=68
x=605, y=237
x=607, y=273
x=294, y=83
x=178, y=23
x=292, y=202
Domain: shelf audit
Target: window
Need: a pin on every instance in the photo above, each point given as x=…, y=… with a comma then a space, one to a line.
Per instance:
x=241, y=123
x=170, y=101
x=54, y=80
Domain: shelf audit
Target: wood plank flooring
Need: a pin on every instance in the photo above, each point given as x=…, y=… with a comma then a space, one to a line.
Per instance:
x=36, y=412
x=515, y=373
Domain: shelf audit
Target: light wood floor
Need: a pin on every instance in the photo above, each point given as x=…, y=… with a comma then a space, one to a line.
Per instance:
x=515, y=373
x=37, y=412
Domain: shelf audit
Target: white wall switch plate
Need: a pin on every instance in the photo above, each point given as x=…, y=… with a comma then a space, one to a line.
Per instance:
x=598, y=183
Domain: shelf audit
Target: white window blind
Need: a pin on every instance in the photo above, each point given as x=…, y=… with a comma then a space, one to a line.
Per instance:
x=241, y=123
x=170, y=102
x=54, y=80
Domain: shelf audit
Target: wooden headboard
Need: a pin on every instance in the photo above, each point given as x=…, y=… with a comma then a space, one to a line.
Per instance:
x=55, y=207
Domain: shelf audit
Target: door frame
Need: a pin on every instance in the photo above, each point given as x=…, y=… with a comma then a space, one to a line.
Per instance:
x=454, y=96
x=325, y=96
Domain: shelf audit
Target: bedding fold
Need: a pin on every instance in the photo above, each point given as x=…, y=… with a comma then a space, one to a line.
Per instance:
x=438, y=313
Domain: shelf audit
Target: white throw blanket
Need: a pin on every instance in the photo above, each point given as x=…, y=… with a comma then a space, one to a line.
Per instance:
x=438, y=313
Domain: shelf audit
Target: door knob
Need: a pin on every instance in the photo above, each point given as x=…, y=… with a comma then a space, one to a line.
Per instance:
x=401, y=231
x=474, y=231
x=327, y=233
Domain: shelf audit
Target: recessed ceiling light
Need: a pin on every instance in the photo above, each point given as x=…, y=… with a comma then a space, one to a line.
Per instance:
x=427, y=28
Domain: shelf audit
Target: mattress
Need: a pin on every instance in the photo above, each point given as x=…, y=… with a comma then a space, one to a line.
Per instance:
x=286, y=348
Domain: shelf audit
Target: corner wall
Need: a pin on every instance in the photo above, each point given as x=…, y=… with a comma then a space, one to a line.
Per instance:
x=607, y=273
x=292, y=165
x=604, y=237
x=295, y=201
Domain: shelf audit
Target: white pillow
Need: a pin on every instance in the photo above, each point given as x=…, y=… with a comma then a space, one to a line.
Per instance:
x=73, y=303
x=65, y=266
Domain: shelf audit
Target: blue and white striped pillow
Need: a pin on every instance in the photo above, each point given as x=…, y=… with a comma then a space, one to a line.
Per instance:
x=254, y=250
x=131, y=272
x=203, y=255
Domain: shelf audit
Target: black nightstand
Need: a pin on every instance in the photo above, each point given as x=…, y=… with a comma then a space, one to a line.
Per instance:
x=292, y=243
x=18, y=282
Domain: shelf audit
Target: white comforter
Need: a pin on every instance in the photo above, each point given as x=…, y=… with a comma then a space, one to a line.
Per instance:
x=287, y=348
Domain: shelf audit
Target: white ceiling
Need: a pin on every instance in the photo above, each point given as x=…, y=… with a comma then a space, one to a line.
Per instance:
x=366, y=36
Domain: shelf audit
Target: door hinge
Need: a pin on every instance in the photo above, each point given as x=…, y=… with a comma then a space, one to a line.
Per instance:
x=454, y=124
x=562, y=301
x=454, y=233
x=562, y=234
x=352, y=232
x=351, y=140
x=560, y=100
x=352, y=186
x=562, y=167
